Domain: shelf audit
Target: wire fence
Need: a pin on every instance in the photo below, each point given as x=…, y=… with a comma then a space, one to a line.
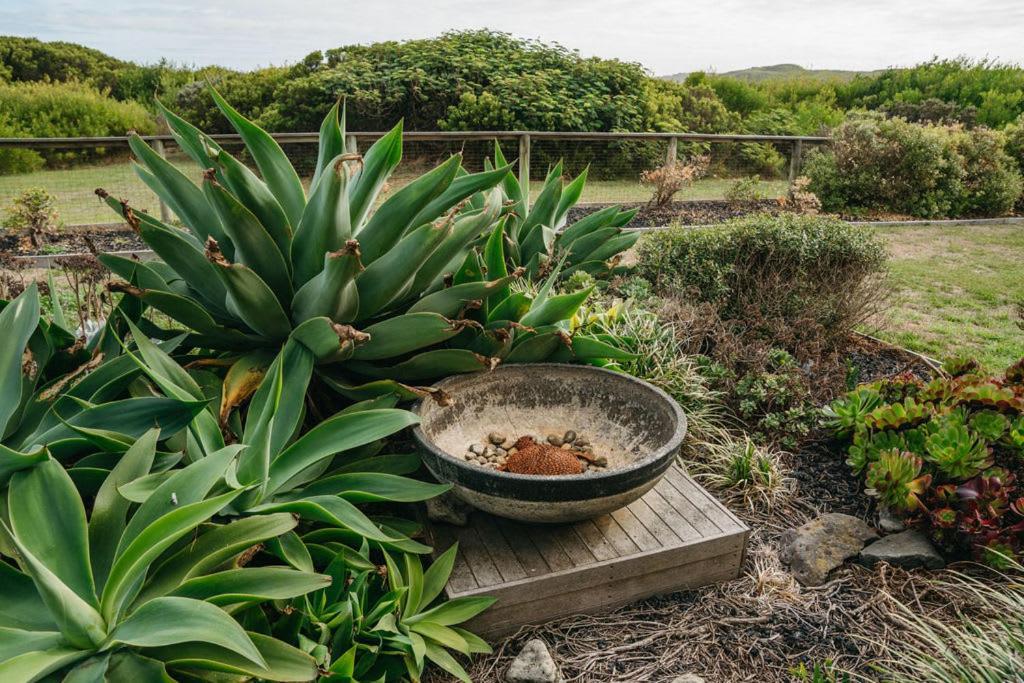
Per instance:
x=70, y=169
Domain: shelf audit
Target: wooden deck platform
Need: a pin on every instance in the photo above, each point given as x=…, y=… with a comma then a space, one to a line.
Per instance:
x=676, y=537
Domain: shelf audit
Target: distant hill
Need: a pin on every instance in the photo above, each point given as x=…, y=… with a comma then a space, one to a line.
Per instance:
x=783, y=71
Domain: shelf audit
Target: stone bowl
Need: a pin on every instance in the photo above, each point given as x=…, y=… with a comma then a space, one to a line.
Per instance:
x=637, y=426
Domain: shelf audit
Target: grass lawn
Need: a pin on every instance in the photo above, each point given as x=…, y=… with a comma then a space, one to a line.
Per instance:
x=77, y=204
x=957, y=289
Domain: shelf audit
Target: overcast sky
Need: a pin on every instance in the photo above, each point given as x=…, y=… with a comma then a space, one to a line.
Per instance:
x=666, y=36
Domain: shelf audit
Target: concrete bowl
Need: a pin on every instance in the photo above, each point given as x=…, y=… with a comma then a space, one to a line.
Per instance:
x=637, y=426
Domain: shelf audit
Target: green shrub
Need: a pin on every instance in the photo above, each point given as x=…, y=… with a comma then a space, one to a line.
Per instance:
x=887, y=165
x=992, y=181
x=68, y=110
x=745, y=190
x=790, y=267
x=12, y=159
x=33, y=211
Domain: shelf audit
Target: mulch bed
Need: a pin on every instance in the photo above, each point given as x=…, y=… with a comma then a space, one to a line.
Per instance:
x=693, y=212
x=74, y=241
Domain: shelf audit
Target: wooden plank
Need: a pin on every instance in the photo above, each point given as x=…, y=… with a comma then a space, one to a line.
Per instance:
x=442, y=537
x=650, y=519
x=518, y=539
x=573, y=545
x=708, y=504
x=693, y=511
x=595, y=541
x=675, y=521
x=507, y=616
x=616, y=536
x=504, y=559
x=635, y=529
x=479, y=560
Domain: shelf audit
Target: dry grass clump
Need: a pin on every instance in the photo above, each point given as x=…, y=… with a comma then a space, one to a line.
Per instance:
x=667, y=180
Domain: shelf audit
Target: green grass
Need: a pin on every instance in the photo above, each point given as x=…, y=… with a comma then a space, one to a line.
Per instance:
x=77, y=204
x=956, y=291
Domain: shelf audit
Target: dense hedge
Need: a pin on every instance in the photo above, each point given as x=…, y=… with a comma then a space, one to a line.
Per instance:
x=890, y=165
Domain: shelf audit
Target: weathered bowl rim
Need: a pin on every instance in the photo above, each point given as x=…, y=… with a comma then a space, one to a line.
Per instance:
x=669, y=448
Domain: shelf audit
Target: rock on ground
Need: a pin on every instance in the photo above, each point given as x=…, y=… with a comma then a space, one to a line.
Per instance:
x=907, y=549
x=449, y=509
x=533, y=665
x=889, y=522
x=688, y=678
x=814, y=549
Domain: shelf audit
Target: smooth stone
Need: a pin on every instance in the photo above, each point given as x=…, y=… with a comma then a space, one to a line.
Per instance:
x=889, y=522
x=534, y=664
x=688, y=678
x=582, y=441
x=566, y=446
x=477, y=449
x=569, y=436
x=496, y=438
x=554, y=440
x=601, y=461
x=501, y=452
x=814, y=549
x=907, y=549
x=513, y=450
x=449, y=509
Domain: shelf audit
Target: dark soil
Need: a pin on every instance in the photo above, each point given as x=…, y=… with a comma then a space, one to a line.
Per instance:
x=104, y=238
x=694, y=212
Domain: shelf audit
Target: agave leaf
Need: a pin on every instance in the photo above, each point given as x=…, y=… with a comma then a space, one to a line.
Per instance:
x=290, y=548
x=326, y=222
x=425, y=366
x=535, y=348
x=213, y=548
x=405, y=333
x=583, y=347
x=477, y=645
x=379, y=161
x=251, y=584
x=277, y=171
x=451, y=301
x=586, y=225
x=332, y=292
x=242, y=380
x=133, y=559
x=48, y=519
x=171, y=620
x=332, y=142
x=334, y=435
x=24, y=609
x=35, y=665
x=438, y=655
x=543, y=210
x=182, y=195
x=494, y=260
x=192, y=141
x=12, y=461
x=389, y=276
x=283, y=662
x=614, y=246
x=110, y=510
x=374, y=389
x=254, y=246
x=462, y=187
x=581, y=248
x=255, y=196
x=18, y=320
x=555, y=308
x=466, y=229
x=372, y=487
x=453, y=611
x=253, y=301
x=435, y=579
x=328, y=510
x=392, y=220
x=570, y=195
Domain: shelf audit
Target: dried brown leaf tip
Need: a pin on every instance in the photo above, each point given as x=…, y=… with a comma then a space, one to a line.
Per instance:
x=214, y=254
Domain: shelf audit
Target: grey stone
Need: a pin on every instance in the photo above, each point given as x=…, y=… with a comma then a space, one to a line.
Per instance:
x=554, y=439
x=533, y=665
x=907, y=549
x=814, y=549
x=688, y=678
x=569, y=436
x=449, y=509
x=889, y=522
x=496, y=438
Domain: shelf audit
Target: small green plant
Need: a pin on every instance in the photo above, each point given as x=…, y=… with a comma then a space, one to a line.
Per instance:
x=945, y=453
x=745, y=190
x=33, y=212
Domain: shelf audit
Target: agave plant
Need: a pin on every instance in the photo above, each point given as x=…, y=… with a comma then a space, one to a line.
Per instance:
x=376, y=623
x=957, y=452
x=118, y=597
x=896, y=479
x=381, y=296
x=538, y=239
x=846, y=414
x=318, y=475
x=40, y=417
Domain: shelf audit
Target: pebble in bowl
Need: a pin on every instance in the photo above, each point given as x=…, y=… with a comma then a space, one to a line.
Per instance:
x=633, y=429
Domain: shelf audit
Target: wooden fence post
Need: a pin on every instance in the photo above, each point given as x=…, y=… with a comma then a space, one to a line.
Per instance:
x=165, y=211
x=524, y=170
x=673, y=151
x=794, y=160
